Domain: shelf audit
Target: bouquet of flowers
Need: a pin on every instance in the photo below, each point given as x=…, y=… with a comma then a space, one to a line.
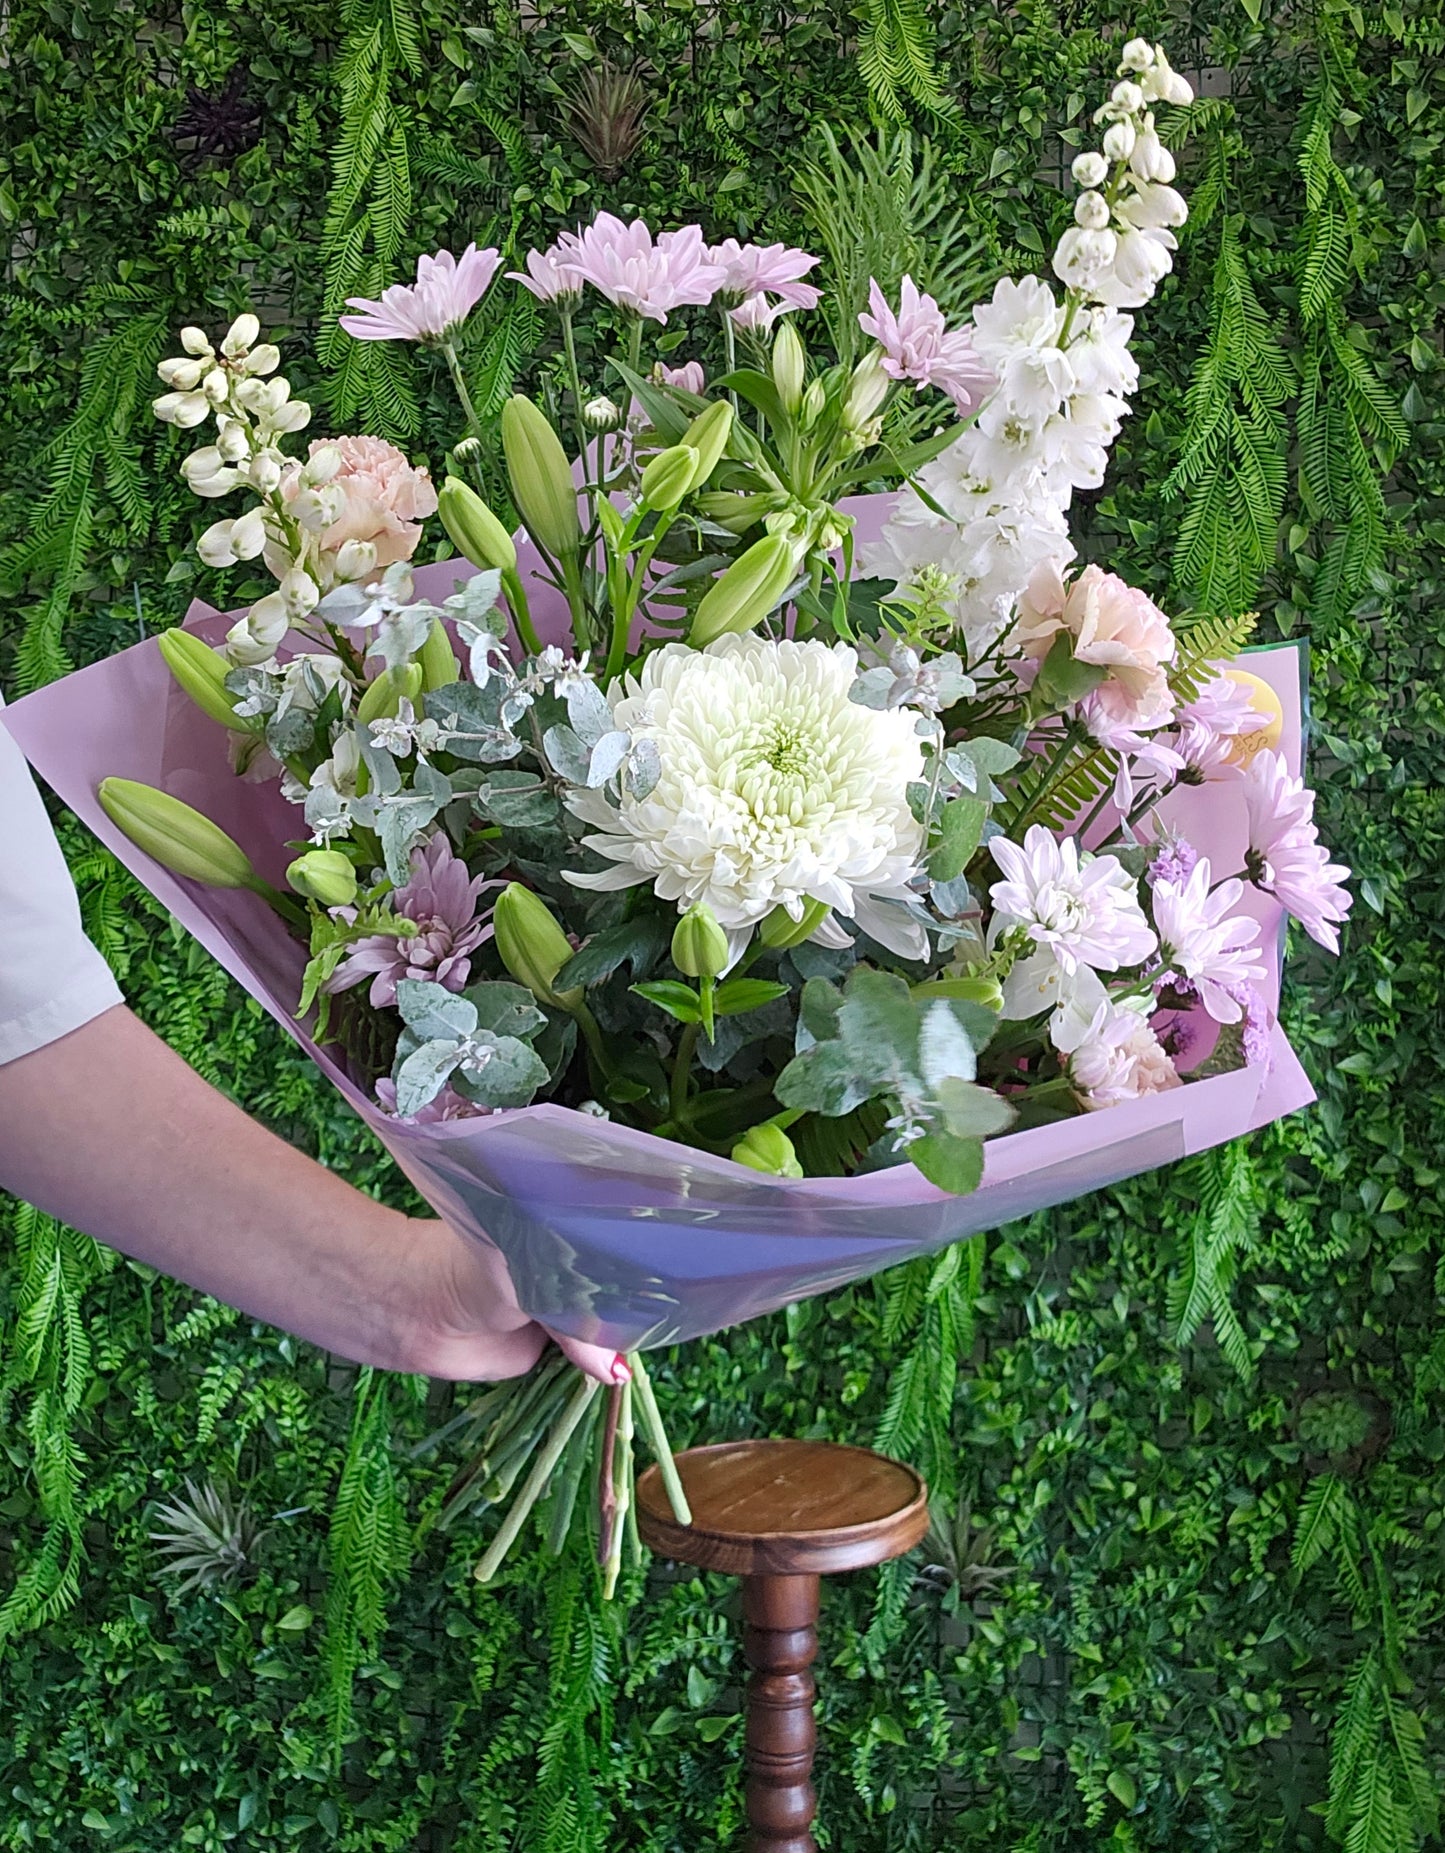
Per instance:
x=695, y=888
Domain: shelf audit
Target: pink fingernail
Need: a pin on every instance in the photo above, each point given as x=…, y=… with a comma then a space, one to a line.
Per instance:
x=621, y=1369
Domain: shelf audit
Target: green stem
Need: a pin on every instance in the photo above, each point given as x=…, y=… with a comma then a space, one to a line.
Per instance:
x=521, y=611
x=537, y=1479
x=459, y=384
x=574, y=380
x=634, y=344
x=657, y=1440
x=622, y=1493
x=682, y=1069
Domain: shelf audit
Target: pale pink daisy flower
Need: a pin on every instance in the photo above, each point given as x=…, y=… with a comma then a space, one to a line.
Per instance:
x=1210, y=725
x=1119, y=1058
x=1203, y=939
x=441, y=898
x=1085, y=911
x=550, y=278
x=919, y=346
x=645, y=276
x=757, y=315
x=689, y=377
x=1285, y=857
x=752, y=269
x=1115, y=722
x=446, y=291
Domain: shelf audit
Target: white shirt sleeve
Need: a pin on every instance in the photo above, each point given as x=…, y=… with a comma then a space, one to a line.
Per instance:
x=52, y=980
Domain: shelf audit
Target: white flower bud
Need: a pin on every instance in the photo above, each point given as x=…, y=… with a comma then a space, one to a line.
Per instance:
x=602, y=415
x=181, y=408
x=206, y=461
x=1119, y=141
x=1179, y=91
x=321, y=466
x=1089, y=170
x=183, y=374
x=1137, y=55
x=1152, y=207
x=293, y=417
x=355, y=559
x=240, y=336
x=272, y=396
x=1084, y=258
x=301, y=592
x=245, y=648
x=264, y=472
x=216, y=386
x=214, y=546
x=210, y=487
x=814, y=399
x=197, y=341
x=1127, y=97
x=268, y=620
x=264, y=359
x=248, y=534
x=233, y=440
x=1091, y=210
x=252, y=393
x=1151, y=160
x=317, y=509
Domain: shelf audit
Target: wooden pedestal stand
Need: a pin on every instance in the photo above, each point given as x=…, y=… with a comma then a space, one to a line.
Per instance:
x=781, y=1514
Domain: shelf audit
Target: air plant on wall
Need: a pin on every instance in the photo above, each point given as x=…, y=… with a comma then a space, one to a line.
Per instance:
x=607, y=113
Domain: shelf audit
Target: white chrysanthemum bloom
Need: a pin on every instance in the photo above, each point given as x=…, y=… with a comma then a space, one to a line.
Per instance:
x=776, y=789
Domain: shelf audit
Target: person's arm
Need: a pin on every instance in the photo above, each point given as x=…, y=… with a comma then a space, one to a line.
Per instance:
x=111, y=1132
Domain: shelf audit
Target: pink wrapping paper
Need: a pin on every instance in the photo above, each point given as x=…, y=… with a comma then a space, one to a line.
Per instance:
x=611, y=1234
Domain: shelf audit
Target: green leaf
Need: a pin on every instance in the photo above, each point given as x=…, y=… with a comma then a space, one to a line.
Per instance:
x=1063, y=679
x=505, y=1009
x=960, y=830
x=824, y=1079
x=1120, y=1783
x=952, y=1164
x=736, y=995
x=970, y=1111
x=678, y=1000
x=296, y=1620
x=637, y=943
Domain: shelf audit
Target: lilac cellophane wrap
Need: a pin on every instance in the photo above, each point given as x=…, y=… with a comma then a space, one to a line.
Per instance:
x=610, y=1234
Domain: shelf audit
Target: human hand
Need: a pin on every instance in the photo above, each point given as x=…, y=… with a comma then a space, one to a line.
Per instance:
x=464, y=1322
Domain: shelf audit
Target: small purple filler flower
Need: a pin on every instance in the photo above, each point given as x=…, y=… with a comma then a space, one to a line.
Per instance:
x=1173, y=861
x=442, y=899
x=446, y=291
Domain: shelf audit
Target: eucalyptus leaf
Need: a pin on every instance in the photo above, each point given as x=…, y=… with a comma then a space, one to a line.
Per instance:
x=431, y=1010
x=952, y=1164
x=424, y=1073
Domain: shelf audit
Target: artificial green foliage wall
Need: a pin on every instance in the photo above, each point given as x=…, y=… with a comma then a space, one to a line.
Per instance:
x=1188, y=1438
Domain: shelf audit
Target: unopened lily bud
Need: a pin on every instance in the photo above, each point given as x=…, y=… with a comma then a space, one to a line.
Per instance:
x=668, y=477
x=746, y=592
x=177, y=837
x=867, y=390
x=240, y=335
x=971, y=988
x=382, y=698
x=781, y=931
x=699, y=945
x=708, y=435
x=1119, y=141
x=217, y=386
x=1089, y=169
x=532, y=945
x=355, y=559
x=790, y=366
x=323, y=875
x=736, y=513
x=1137, y=55
x=321, y=466
x=541, y=478
x=248, y=535
x=181, y=408
x=263, y=359
x=602, y=414
x=197, y=341
x=201, y=672
x=814, y=399
x=767, y=1149
x=1091, y=210
x=182, y=373
x=214, y=546
x=436, y=659
x=475, y=531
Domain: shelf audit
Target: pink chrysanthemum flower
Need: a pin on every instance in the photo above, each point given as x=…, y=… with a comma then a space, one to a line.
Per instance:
x=689, y=377
x=1203, y=939
x=441, y=898
x=757, y=314
x=550, y=278
x=754, y=269
x=446, y=291
x=1085, y=911
x=1286, y=858
x=919, y=346
x=645, y=276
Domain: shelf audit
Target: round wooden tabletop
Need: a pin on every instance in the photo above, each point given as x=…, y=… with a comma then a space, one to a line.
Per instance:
x=785, y=1508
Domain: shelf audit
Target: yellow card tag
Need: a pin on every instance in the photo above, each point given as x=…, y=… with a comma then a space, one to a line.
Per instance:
x=1263, y=700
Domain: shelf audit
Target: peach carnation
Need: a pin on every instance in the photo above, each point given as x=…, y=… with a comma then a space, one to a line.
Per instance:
x=1114, y=626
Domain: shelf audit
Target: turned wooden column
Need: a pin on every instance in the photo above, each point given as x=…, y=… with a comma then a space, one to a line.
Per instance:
x=783, y=1514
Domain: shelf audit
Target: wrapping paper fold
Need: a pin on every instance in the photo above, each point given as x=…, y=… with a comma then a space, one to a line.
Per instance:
x=611, y=1234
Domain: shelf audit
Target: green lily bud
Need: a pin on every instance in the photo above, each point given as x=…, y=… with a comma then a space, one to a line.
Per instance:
x=668, y=477
x=476, y=532
x=541, y=478
x=323, y=875
x=384, y=696
x=972, y=988
x=780, y=930
x=201, y=672
x=699, y=945
x=708, y=435
x=736, y=513
x=769, y=1149
x=867, y=390
x=436, y=660
x=746, y=592
x=814, y=399
x=790, y=366
x=179, y=838
x=532, y=945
